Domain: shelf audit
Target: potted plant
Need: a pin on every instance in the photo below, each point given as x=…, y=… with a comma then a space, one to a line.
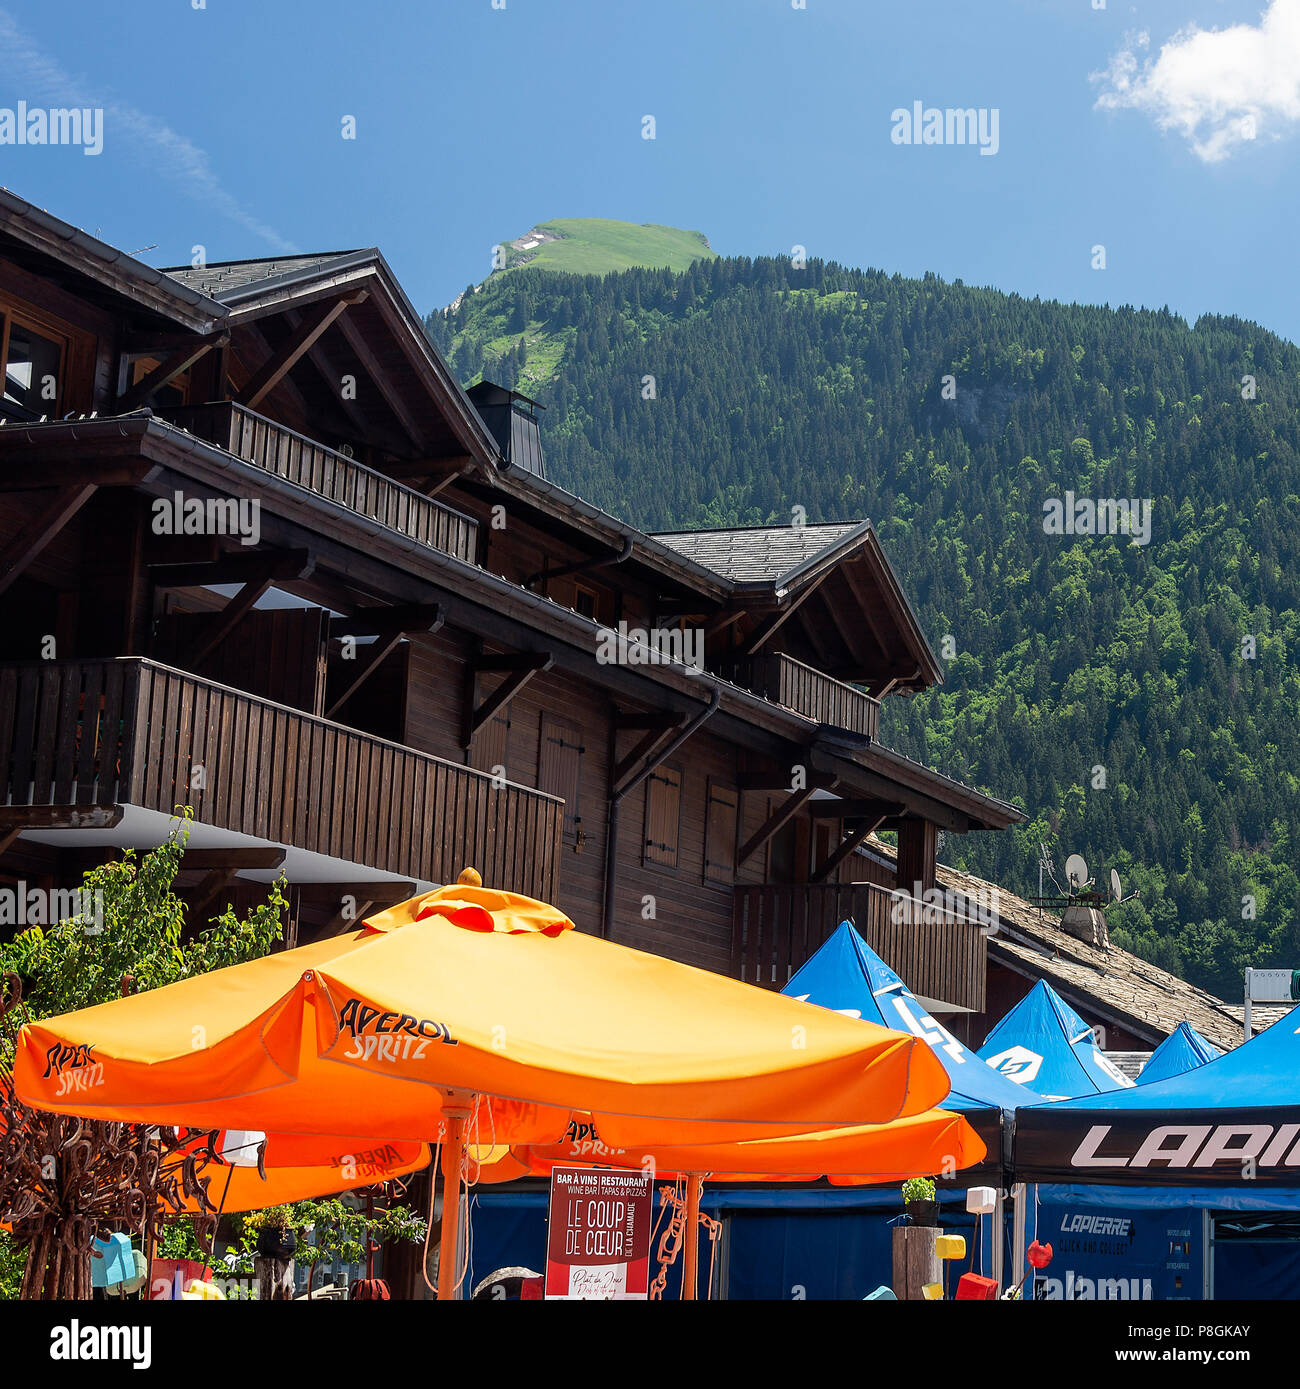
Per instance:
x=275, y=1235
x=919, y=1202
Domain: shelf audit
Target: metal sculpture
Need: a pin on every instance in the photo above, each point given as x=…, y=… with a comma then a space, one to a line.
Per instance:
x=64, y=1181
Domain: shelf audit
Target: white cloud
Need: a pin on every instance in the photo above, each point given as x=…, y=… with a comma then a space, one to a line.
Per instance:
x=1218, y=88
x=32, y=75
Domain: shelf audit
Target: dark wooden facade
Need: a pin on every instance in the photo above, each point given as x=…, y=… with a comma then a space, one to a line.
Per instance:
x=410, y=669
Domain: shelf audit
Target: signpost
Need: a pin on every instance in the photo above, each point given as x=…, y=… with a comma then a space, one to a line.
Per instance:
x=1269, y=986
x=598, y=1234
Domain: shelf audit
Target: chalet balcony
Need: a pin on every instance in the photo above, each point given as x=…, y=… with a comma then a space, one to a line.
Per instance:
x=87, y=735
x=938, y=950
x=806, y=691
x=330, y=474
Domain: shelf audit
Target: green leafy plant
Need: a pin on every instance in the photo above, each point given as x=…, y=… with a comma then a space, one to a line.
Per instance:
x=918, y=1189
x=139, y=937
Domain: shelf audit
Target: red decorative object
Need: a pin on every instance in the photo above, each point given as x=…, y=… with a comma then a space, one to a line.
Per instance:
x=1039, y=1255
x=369, y=1290
x=974, y=1287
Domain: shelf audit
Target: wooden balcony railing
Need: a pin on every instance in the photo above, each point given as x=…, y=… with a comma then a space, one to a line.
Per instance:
x=937, y=951
x=330, y=474
x=132, y=732
x=796, y=686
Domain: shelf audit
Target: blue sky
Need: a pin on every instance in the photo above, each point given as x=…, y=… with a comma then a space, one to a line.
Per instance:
x=222, y=128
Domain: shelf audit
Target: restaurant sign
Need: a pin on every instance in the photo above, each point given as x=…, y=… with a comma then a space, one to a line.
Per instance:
x=598, y=1234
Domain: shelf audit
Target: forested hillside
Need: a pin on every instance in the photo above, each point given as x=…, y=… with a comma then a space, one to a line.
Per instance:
x=1139, y=701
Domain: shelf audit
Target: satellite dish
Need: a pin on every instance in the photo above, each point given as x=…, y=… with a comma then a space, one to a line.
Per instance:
x=1116, y=891
x=1076, y=871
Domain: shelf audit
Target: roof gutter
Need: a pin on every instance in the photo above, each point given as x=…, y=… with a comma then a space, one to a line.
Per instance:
x=57, y=236
x=687, y=572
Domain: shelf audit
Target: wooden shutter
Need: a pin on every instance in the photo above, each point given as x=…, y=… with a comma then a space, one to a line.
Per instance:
x=492, y=744
x=559, y=766
x=720, y=835
x=663, y=814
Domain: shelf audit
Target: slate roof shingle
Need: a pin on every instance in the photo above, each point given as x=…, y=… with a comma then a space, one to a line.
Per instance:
x=1138, y=994
x=759, y=554
x=222, y=279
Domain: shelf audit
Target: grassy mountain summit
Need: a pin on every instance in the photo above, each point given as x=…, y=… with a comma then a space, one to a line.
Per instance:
x=1138, y=700
x=597, y=245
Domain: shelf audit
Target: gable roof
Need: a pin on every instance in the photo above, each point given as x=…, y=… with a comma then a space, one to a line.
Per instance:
x=225, y=281
x=420, y=388
x=859, y=625
x=766, y=555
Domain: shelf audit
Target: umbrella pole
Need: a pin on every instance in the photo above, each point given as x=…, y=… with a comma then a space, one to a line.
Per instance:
x=691, y=1247
x=453, y=1152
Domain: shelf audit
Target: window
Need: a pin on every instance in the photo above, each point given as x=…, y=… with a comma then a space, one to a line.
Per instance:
x=586, y=601
x=33, y=366
x=559, y=765
x=720, y=835
x=663, y=814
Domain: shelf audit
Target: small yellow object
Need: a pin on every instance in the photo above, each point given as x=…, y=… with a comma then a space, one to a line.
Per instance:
x=470, y=877
x=932, y=1292
x=202, y=1292
x=950, y=1246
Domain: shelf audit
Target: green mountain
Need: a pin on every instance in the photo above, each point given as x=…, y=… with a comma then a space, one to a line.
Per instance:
x=1139, y=701
x=596, y=245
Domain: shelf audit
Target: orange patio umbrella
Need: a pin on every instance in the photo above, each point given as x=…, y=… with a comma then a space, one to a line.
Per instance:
x=865, y=1155
x=470, y=1005
x=868, y=1154
x=251, y=1171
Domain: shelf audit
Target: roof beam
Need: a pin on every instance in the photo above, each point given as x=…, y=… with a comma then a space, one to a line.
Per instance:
x=299, y=342
x=846, y=846
x=378, y=654
x=520, y=670
x=230, y=616
x=766, y=631
x=643, y=756
x=780, y=781
x=180, y=360
x=59, y=817
x=386, y=892
x=333, y=379
x=403, y=468
x=383, y=382
x=239, y=856
x=77, y=473
x=234, y=568
x=402, y=618
x=41, y=529
x=865, y=605
x=826, y=601
x=853, y=809
x=659, y=721
x=775, y=822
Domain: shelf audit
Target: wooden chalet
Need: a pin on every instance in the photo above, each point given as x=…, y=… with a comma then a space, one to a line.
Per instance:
x=406, y=668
